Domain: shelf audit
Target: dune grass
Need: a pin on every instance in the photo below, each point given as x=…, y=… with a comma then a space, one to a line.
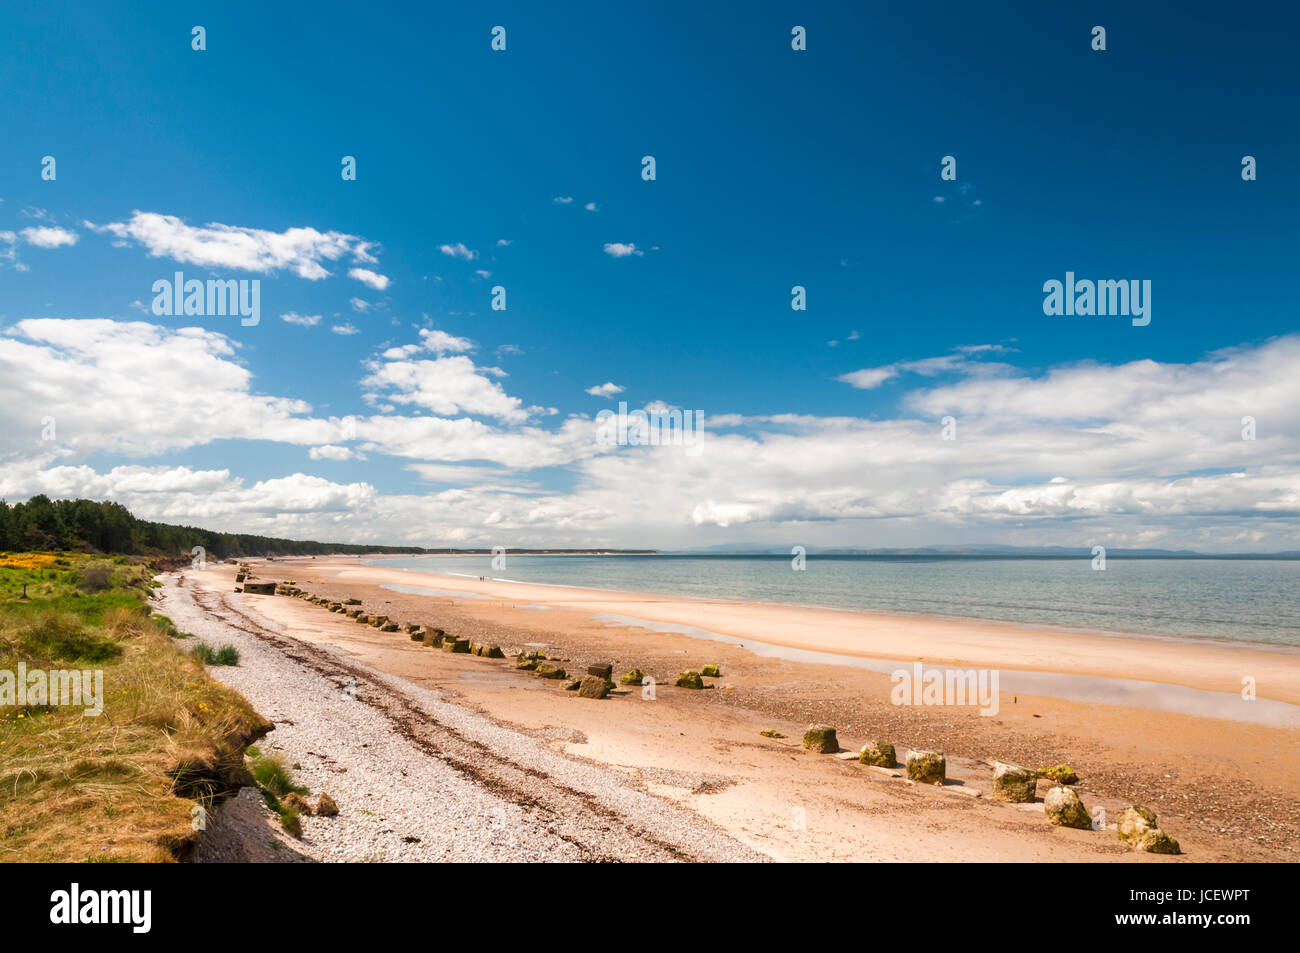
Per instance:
x=226, y=655
x=276, y=781
x=122, y=785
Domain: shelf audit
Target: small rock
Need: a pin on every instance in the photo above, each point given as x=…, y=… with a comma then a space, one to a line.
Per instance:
x=1156, y=841
x=294, y=799
x=604, y=671
x=633, y=677
x=325, y=806
x=1135, y=821
x=1061, y=774
x=711, y=671
x=689, y=680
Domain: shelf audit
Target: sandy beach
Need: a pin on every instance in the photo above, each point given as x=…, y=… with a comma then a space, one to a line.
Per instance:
x=1223, y=785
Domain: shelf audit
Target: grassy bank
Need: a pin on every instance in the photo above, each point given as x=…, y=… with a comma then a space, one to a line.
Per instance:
x=122, y=784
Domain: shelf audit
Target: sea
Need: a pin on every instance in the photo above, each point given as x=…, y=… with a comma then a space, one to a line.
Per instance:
x=1236, y=600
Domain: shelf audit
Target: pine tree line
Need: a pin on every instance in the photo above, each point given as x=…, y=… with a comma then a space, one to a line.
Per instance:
x=88, y=526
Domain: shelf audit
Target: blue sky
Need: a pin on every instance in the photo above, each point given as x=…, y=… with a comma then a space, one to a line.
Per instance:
x=775, y=168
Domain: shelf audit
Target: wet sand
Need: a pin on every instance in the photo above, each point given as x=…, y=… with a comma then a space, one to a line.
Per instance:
x=1224, y=787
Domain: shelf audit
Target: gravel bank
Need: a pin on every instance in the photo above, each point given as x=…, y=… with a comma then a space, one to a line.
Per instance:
x=417, y=778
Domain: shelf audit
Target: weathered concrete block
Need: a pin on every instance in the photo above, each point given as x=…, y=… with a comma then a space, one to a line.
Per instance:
x=593, y=686
x=821, y=739
x=1013, y=783
x=878, y=753
x=1064, y=809
x=927, y=767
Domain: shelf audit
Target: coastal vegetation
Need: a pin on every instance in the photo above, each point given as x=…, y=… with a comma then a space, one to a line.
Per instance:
x=42, y=524
x=90, y=526
x=126, y=767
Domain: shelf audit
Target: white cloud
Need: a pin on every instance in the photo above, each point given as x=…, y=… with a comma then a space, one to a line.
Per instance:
x=869, y=377
x=302, y=320
x=133, y=388
x=592, y=207
x=433, y=340
x=607, y=389
x=331, y=452
x=49, y=236
x=504, y=242
x=300, y=250
x=563, y=199
x=458, y=250
x=621, y=250
x=444, y=386
x=1135, y=453
x=359, y=305
x=345, y=329
x=367, y=277
x=963, y=362
x=483, y=273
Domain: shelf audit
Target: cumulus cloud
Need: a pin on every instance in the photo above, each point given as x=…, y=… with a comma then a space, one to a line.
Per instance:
x=1135, y=453
x=347, y=329
x=332, y=452
x=300, y=250
x=432, y=340
x=367, y=277
x=444, y=386
x=135, y=388
x=302, y=320
x=49, y=236
x=621, y=250
x=607, y=389
x=458, y=250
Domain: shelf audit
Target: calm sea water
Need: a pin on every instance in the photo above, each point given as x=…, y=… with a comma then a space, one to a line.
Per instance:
x=1238, y=600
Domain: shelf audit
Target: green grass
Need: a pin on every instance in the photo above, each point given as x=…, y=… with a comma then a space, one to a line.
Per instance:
x=226, y=655
x=273, y=775
x=276, y=781
x=118, y=786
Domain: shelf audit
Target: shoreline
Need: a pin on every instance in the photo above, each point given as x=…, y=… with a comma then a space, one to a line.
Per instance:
x=1205, y=665
x=1060, y=628
x=1220, y=787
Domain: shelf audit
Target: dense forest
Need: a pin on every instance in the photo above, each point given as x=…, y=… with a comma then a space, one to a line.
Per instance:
x=89, y=526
